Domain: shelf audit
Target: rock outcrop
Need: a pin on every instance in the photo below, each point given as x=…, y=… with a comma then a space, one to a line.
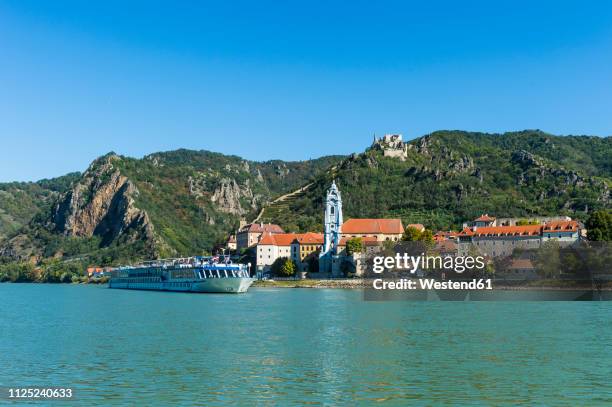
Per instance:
x=102, y=204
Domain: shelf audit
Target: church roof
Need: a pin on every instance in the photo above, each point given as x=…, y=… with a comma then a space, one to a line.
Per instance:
x=309, y=238
x=286, y=239
x=484, y=218
x=277, y=239
x=262, y=228
x=373, y=226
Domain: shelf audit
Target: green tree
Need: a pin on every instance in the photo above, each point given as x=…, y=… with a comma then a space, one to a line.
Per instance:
x=426, y=237
x=411, y=234
x=313, y=262
x=354, y=245
x=548, y=259
x=283, y=267
x=599, y=226
x=524, y=222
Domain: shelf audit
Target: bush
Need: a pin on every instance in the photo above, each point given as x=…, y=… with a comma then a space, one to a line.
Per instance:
x=283, y=267
x=354, y=245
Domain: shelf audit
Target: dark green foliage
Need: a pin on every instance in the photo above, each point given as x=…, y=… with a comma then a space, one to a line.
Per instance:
x=192, y=225
x=599, y=226
x=283, y=267
x=449, y=177
x=354, y=245
x=411, y=234
x=17, y=272
x=21, y=201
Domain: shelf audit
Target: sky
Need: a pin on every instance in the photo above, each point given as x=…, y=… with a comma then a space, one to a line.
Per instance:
x=289, y=80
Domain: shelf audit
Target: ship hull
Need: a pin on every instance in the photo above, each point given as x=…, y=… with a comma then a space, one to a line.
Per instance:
x=211, y=285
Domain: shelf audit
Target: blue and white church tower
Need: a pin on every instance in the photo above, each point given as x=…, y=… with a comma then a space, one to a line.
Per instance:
x=333, y=229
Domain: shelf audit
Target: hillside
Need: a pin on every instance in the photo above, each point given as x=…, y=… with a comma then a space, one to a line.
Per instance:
x=21, y=201
x=167, y=204
x=448, y=177
x=184, y=202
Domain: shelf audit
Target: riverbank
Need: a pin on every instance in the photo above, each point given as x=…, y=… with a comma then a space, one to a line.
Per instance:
x=367, y=283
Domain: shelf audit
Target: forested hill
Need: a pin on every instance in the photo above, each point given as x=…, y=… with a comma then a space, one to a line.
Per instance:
x=175, y=203
x=184, y=202
x=20, y=201
x=448, y=177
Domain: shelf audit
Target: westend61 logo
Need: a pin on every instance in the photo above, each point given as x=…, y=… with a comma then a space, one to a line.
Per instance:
x=411, y=264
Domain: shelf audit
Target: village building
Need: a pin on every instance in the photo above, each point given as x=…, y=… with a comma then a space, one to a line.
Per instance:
x=336, y=231
x=271, y=247
x=501, y=241
x=370, y=244
x=446, y=248
x=249, y=234
x=441, y=236
x=519, y=269
x=486, y=221
x=381, y=229
x=231, y=243
x=391, y=145
x=305, y=245
x=532, y=220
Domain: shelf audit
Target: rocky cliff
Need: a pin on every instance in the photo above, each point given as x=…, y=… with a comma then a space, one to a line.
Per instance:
x=447, y=177
x=176, y=203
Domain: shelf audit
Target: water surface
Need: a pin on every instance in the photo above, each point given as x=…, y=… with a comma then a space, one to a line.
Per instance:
x=302, y=346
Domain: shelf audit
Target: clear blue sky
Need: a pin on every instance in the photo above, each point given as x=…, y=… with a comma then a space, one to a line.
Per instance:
x=286, y=79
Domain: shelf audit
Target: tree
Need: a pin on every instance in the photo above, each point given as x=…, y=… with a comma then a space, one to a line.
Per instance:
x=426, y=237
x=354, y=245
x=524, y=222
x=283, y=267
x=313, y=262
x=549, y=259
x=411, y=234
x=599, y=226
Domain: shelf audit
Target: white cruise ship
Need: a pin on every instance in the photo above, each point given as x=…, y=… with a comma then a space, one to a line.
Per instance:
x=193, y=274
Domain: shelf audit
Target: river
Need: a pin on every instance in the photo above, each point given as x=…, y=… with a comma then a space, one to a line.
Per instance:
x=301, y=346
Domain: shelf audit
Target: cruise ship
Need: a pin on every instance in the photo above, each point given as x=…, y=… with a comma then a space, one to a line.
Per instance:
x=192, y=274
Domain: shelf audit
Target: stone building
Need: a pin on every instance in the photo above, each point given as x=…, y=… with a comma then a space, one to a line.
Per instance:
x=295, y=246
x=231, y=243
x=271, y=247
x=306, y=244
x=391, y=145
x=501, y=241
x=249, y=234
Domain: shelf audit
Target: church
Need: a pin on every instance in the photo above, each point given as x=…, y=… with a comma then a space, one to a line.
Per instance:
x=336, y=232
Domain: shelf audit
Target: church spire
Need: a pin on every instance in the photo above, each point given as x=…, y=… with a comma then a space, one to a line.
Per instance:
x=333, y=227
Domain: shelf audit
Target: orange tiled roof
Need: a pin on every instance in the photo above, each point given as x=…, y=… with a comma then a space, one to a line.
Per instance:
x=466, y=232
x=277, y=239
x=373, y=226
x=484, y=218
x=441, y=235
x=561, y=226
x=527, y=230
x=262, y=228
x=309, y=238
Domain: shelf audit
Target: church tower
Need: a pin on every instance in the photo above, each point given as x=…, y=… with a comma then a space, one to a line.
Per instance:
x=333, y=228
